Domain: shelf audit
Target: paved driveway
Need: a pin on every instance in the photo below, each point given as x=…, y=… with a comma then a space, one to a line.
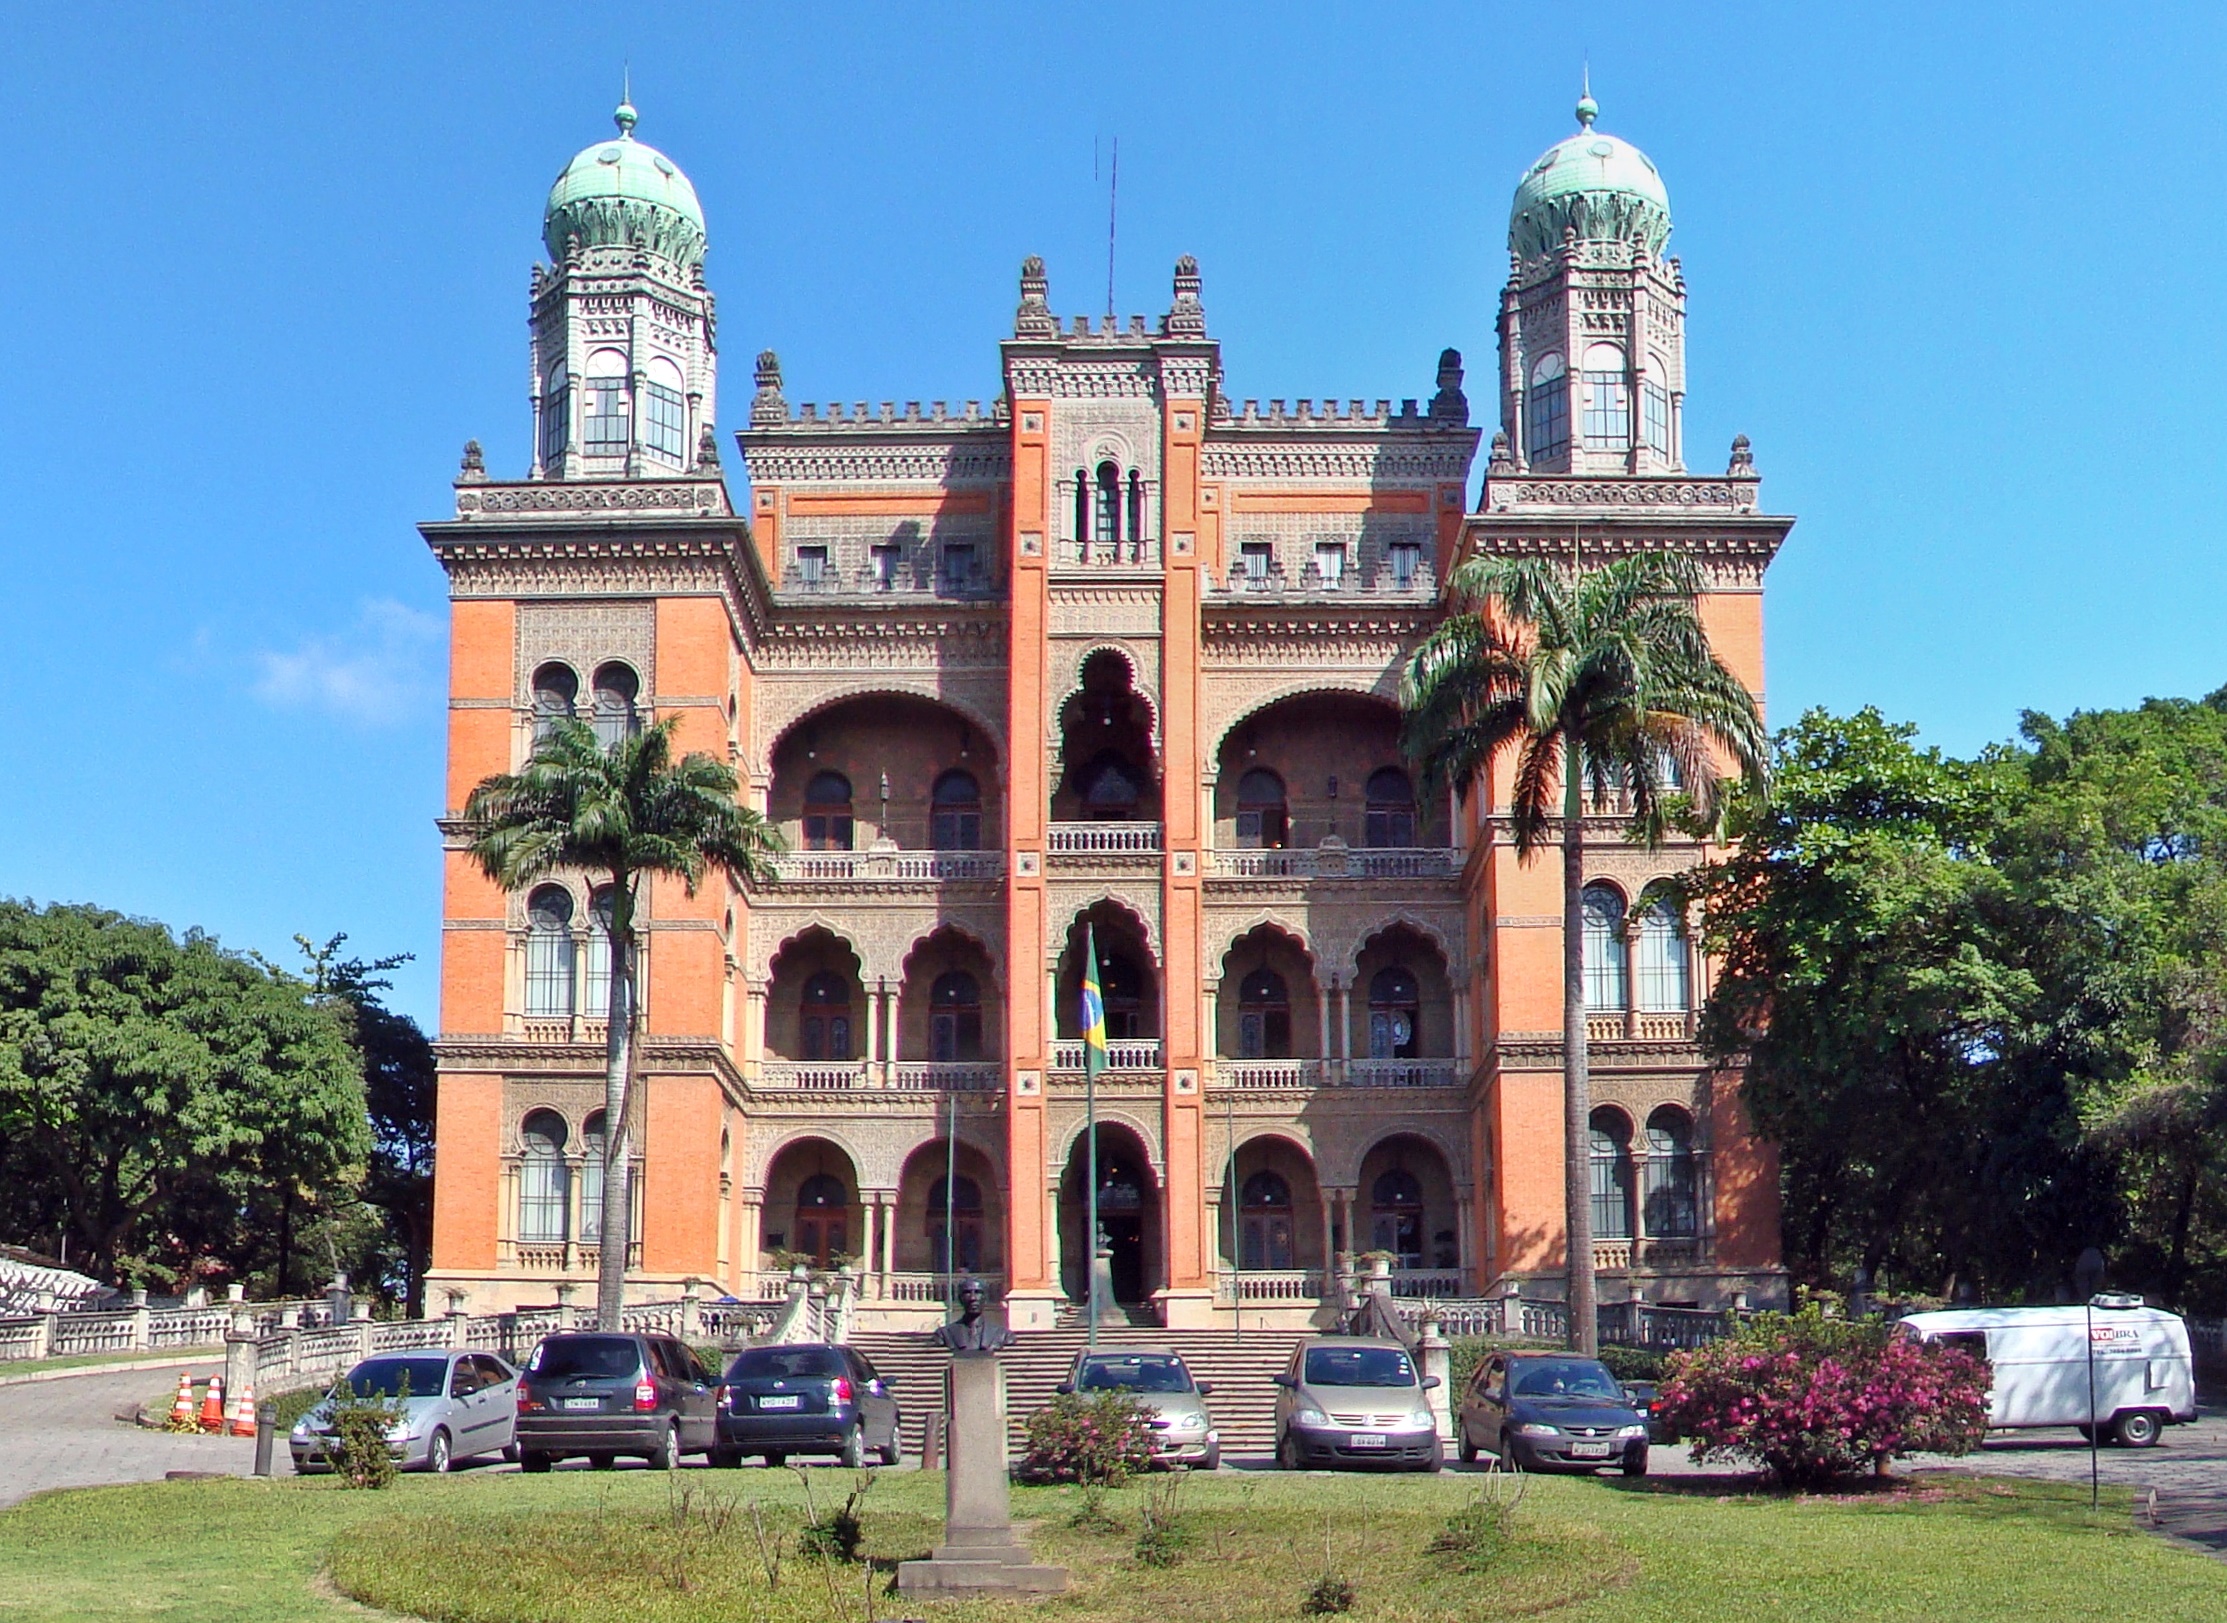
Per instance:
x=64, y=1434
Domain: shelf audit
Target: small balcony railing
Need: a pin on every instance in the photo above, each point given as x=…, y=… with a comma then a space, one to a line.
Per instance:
x=1386, y=582
x=1337, y=861
x=887, y=866
x=1299, y=1286
x=1271, y=1075
x=908, y=579
x=1103, y=839
x=1613, y=1026
x=1690, y=1251
x=913, y=1076
x=536, y=1028
x=1122, y=1054
x=1256, y=1075
x=1135, y=552
x=560, y=1256
x=947, y=1076
x=1402, y=1073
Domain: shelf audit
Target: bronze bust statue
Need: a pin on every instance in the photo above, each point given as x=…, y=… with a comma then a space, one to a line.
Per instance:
x=970, y=1331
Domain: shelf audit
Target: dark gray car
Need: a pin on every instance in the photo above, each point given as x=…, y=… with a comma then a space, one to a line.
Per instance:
x=1551, y=1411
x=604, y=1393
x=806, y=1398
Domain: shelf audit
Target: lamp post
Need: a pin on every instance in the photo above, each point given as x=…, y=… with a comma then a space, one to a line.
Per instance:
x=1094, y=1061
x=2087, y=1276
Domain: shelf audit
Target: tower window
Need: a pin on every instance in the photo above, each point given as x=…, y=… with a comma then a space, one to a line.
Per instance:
x=604, y=430
x=1108, y=526
x=664, y=421
x=616, y=689
x=1608, y=400
x=1654, y=407
x=827, y=812
x=556, y=419
x=1546, y=416
x=549, y=953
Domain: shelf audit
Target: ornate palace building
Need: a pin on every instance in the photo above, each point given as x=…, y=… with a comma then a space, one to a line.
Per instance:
x=1112, y=650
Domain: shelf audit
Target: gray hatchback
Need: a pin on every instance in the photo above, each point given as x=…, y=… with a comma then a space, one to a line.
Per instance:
x=603, y=1394
x=1351, y=1401
x=454, y=1406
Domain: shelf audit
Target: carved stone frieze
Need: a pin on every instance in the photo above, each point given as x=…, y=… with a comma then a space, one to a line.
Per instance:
x=1066, y=900
x=1395, y=456
x=583, y=636
x=883, y=932
x=694, y=498
x=1105, y=611
x=879, y=1133
x=788, y=691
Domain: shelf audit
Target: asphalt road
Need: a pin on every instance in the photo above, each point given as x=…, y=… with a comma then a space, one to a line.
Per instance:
x=64, y=1434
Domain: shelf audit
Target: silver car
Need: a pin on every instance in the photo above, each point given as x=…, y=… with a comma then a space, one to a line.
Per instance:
x=1182, y=1431
x=455, y=1406
x=1347, y=1400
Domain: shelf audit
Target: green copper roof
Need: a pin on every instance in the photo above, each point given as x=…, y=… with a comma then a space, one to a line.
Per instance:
x=1604, y=189
x=625, y=193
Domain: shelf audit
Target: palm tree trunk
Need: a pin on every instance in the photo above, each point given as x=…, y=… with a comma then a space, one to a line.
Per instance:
x=616, y=1237
x=1577, y=1090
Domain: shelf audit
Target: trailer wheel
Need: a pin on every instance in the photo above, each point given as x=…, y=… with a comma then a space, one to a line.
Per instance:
x=2136, y=1428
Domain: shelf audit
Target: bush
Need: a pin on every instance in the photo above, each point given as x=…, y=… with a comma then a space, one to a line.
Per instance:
x=1634, y=1363
x=1331, y=1595
x=1814, y=1398
x=1103, y=1438
x=359, y=1450
x=836, y=1533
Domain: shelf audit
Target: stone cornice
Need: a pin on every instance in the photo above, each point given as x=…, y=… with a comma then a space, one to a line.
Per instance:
x=1542, y=1051
x=1732, y=549
x=699, y=497
x=1411, y=450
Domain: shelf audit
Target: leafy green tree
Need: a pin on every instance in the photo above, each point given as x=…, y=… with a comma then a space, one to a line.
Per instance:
x=145, y=1080
x=1583, y=678
x=621, y=814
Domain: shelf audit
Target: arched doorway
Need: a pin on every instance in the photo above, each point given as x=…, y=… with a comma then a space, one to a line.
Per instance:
x=811, y=1204
x=1406, y=1204
x=1128, y=982
x=975, y=1237
x=1108, y=769
x=1128, y=1216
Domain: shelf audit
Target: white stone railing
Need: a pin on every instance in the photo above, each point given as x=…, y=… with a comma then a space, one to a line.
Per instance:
x=146, y=1329
x=927, y=1287
x=1103, y=839
x=563, y=1029
x=814, y=1076
x=1402, y=1073
x=852, y=1076
x=1125, y=1054
x=1432, y=1283
x=560, y=1256
x=948, y=1076
x=886, y=866
x=1336, y=861
x=1270, y=1073
x=1297, y=1285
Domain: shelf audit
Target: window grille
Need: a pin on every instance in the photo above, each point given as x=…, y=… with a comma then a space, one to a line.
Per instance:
x=595, y=978
x=1664, y=967
x=1607, y=956
x=1673, y=1204
x=604, y=429
x=556, y=425
x=1546, y=415
x=1608, y=412
x=1109, y=503
x=541, y=1179
x=1612, y=1176
x=549, y=954
x=665, y=422
x=1654, y=401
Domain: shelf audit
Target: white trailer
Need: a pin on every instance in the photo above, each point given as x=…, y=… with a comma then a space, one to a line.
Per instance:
x=2040, y=1358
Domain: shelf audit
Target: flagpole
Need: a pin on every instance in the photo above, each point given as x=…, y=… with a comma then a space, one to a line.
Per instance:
x=1093, y=1034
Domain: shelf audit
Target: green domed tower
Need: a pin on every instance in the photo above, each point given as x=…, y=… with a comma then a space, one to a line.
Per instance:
x=1593, y=319
x=625, y=353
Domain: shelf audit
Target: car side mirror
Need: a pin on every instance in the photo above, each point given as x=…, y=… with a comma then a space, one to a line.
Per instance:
x=1065, y=1389
x=1430, y=1381
x=889, y=1380
x=1283, y=1380
x=1206, y=1389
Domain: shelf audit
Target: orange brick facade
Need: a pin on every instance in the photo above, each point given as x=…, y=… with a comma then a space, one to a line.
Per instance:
x=1112, y=652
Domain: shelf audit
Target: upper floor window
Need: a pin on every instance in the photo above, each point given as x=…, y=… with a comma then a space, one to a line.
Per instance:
x=556, y=418
x=541, y=1178
x=616, y=689
x=827, y=812
x=1607, y=954
x=1611, y=1140
x=549, y=953
x=1136, y=505
x=958, y=812
x=604, y=430
x=664, y=421
x=556, y=690
x=955, y=566
x=1266, y=1209
x=1673, y=1203
x=1263, y=1016
x=825, y=1017
x=1256, y=561
x=1654, y=412
x=592, y=1145
x=955, y=1017
x=1107, y=518
x=595, y=977
x=1546, y=413
x=888, y=560
x=1262, y=823
x=1395, y=1015
x=1396, y=1216
x=1082, y=504
x=1330, y=562
x=1389, y=820
x=811, y=565
x=1608, y=400
x=1664, y=968
x=1406, y=559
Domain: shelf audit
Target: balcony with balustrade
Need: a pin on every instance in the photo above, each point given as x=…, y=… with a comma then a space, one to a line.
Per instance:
x=1333, y=859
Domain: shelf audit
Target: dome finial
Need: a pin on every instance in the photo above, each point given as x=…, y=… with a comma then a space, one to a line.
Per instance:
x=625, y=117
x=1587, y=108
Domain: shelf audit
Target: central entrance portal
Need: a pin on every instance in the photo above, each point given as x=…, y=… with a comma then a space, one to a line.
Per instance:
x=1128, y=1217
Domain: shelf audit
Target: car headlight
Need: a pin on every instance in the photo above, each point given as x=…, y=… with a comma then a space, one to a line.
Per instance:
x=1633, y=1431
x=1188, y=1421
x=1422, y=1417
x=301, y=1428
x=1537, y=1428
x=1309, y=1417
x=399, y=1432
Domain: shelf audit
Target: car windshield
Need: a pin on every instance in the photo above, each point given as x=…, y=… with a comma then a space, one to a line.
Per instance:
x=778, y=1363
x=399, y=1377
x=1144, y=1373
x=1565, y=1378
x=1359, y=1366
x=586, y=1355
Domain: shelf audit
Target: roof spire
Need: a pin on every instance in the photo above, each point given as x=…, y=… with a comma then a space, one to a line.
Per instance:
x=625, y=116
x=1587, y=108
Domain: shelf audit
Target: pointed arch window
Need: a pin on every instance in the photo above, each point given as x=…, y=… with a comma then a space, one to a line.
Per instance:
x=823, y=1218
x=1263, y=1016
x=549, y=953
x=1608, y=399
x=964, y=1209
x=1665, y=966
x=955, y=1017
x=1607, y=953
x=1546, y=415
x=1107, y=515
x=825, y=1017
x=595, y=978
x=1673, y=1204
x=1611, y=1138
x=827, y=812
x=1395, y=1015
x=1266, y=1213
x=556, y=692
x=1082, y=504
x=616, y=690
x=957, y=802
x=541, y=1178
x=1396, y=1216
x=1263, y=821
x=1389, y=819
x=593, y=1143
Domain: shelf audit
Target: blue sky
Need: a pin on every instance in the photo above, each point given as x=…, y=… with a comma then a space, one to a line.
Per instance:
x=1957, y=271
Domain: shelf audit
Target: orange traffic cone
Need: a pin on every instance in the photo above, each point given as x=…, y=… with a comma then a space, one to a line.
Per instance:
x=212, y=1405
x=243, y=1413
x=181, y=1407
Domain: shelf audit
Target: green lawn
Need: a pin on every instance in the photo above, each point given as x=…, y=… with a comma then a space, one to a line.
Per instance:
x=575, y=1544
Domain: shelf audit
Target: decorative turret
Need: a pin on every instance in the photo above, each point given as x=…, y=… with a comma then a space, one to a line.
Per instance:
x=1593, y=319
x=625, y=348
x=1186, y=318
x=1034, y=319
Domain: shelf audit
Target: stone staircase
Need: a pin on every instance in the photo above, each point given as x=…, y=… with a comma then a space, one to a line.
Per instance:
x=1239, y=1367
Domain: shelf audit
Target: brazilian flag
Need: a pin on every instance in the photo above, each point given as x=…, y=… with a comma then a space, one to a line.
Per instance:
x=1094, y=1009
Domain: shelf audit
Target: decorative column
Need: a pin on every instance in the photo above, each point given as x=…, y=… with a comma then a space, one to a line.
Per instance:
x=1345, y=1034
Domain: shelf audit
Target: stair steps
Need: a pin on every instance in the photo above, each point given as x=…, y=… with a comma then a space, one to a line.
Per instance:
x=1239, y=1366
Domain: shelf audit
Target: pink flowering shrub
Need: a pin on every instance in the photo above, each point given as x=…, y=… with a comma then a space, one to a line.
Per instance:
x=1100, y=1439
x=1814, y=1398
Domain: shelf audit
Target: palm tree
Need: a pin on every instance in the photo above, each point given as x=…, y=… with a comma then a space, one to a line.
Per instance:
x=1599, y=678
x=620, y=813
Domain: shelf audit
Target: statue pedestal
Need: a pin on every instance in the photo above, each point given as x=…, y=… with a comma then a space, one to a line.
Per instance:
x=979, y=1550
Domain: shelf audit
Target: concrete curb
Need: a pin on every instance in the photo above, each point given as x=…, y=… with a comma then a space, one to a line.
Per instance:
x=184, y=1358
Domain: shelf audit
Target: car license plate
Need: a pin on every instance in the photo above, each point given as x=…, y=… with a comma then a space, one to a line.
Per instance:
x=1368, y=1439
x=792, y=1401
x=583, y=1403
x=1589, y=1451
